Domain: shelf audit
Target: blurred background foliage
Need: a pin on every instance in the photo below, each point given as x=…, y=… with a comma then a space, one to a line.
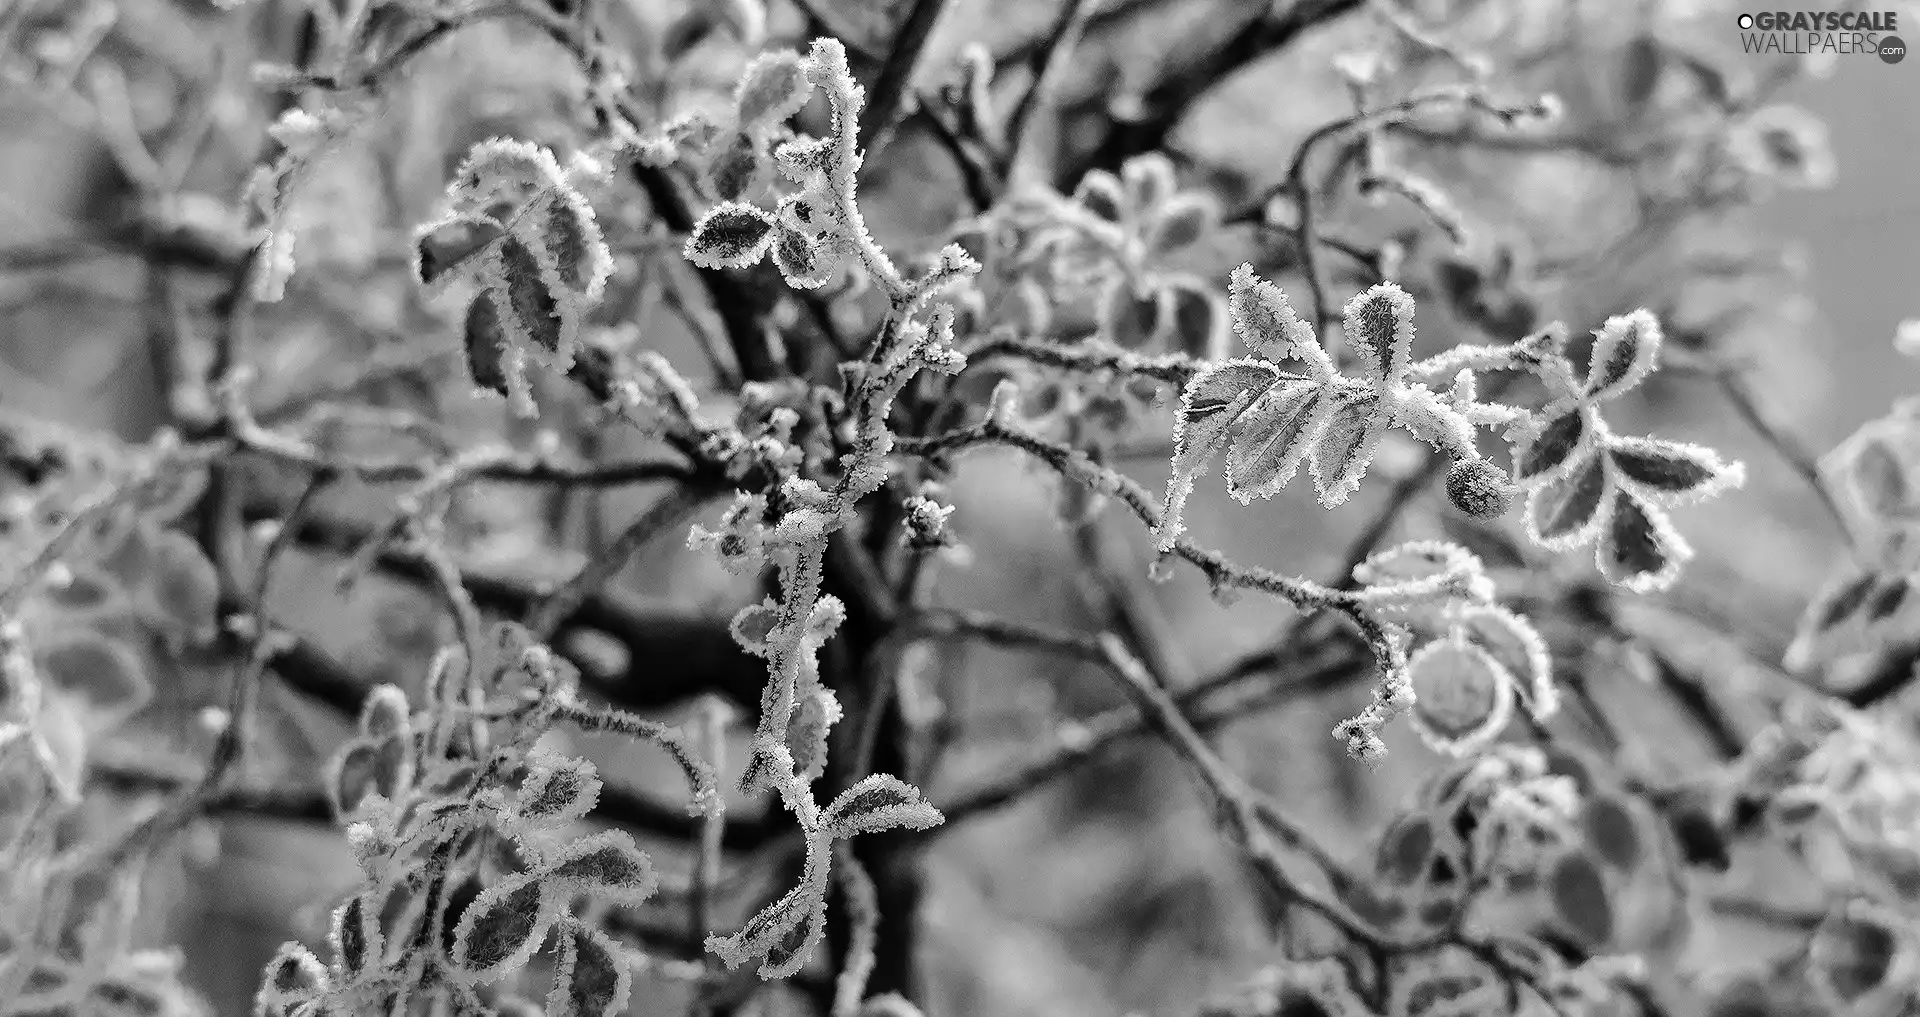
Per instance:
x=1106, y=892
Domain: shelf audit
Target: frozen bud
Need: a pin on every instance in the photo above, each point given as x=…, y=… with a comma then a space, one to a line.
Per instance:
x=1479, y=488
x=926, y=523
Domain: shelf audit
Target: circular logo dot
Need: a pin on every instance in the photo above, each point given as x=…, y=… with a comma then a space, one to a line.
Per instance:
x=1892, y=50
x=1746, y=21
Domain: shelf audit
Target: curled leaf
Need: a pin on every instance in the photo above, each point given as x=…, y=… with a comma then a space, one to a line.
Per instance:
x=879, y=802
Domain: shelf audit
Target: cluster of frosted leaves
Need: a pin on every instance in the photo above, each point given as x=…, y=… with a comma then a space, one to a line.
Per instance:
x=451, y=826
x=1140, y=218
x=128, y=595
x=68, y=939
x=1860, y=960
x=1867, y=603
x=1537, y=843
x=520, y=244
x=1844, y=786
x=782, y=936
x=1269, y=421
x=74, y=664
x=731, y=155
x=1588, y=485
x=813, y=231
x=1470, y=661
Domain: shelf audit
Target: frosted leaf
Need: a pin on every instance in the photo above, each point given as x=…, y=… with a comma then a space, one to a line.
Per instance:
x=440, y=248
x=486, y=342
x=385, y=713
x=1149, y=182
x=502, y=928
x=1516, y=645
x=529, y=309
x=608, y=866
x=731, y=235
x=1612, y=829
x=1567, y=510
x=294, y=975
x=1180, y=223
x=1268, y=325
x=1212, y=401
x=752, y=626
x=355, y=936
x=1195, y=320
x=766, y=928
x=1417, y=560
x=595, y=982
x=1404, y=849
x=1128, y=318
x=812, y=727
x=1463, y=697
x=183, y=587
x=557, y=789
x=1346, y=447
x=1877, y=476
x=90, y=666
x=773, y=88
x=801, y=261
x=1580, y=901
x=1669, y=470
x=739, y=170
x=1852, y=612
x=561, y=231
x=790, y=952
x=1273, y=437
x=1625, y=350
x=1639, y=549
x=1378, y=328
x=364, y=768
x=501, y=172
x=879, y=802
x=1559, y=440
x=1099, y=192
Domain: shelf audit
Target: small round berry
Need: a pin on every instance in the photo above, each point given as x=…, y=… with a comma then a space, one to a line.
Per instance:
x=1479, y=488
